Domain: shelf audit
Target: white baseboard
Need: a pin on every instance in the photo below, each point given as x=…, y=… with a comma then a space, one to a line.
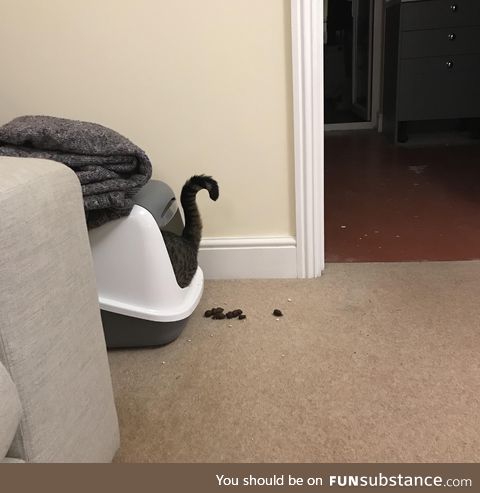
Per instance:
x=248, y=258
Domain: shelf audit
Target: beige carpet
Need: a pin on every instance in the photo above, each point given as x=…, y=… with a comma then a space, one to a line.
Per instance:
x=372, y=362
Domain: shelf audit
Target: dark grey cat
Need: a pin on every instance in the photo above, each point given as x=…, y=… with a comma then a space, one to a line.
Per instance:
x=183, y=250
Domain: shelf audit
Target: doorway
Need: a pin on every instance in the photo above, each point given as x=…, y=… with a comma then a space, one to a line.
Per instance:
x=451, y=174
x=391, y=202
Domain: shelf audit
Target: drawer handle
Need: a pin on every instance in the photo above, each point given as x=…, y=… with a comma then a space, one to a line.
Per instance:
x=454, y=7
x=449, y=64
x=452, y=36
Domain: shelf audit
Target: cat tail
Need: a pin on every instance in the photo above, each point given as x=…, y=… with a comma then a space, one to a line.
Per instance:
x=192, y=231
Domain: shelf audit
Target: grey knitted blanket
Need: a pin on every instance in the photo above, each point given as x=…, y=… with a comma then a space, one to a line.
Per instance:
x=111, y=169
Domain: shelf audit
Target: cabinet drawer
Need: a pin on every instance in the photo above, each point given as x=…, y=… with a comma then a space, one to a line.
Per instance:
x=431, y=14
x=437, y=42
x=428, y=89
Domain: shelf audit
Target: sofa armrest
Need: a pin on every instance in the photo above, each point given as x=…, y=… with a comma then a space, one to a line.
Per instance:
x=51, y=337
x=10, y=411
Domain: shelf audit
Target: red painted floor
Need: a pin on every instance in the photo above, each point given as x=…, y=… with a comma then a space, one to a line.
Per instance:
x=385, y=203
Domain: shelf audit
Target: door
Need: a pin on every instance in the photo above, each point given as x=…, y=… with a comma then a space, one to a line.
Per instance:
x=362, y=43
x=352, y=47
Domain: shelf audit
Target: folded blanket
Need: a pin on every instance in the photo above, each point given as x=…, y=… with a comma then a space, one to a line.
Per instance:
x=111, y=169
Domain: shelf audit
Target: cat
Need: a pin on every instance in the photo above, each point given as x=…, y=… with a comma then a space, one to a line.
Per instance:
x=183, y=250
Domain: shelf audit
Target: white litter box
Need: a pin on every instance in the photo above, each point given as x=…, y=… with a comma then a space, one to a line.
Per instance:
x=140, y=300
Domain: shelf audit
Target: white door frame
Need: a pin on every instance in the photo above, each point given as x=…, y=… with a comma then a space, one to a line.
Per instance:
x=307, y=61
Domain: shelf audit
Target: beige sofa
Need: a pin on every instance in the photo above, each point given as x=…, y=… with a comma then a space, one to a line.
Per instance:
x=56, y=399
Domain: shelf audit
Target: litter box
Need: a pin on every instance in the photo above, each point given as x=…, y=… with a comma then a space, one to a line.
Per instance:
x=141, y=302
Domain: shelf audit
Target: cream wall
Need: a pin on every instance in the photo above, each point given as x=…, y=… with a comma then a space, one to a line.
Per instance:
x=203, y=86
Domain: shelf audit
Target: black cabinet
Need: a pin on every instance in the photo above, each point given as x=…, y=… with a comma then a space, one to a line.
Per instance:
x=431, y=62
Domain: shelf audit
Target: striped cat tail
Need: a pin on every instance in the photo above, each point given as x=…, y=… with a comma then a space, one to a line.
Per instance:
x=192, y=231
